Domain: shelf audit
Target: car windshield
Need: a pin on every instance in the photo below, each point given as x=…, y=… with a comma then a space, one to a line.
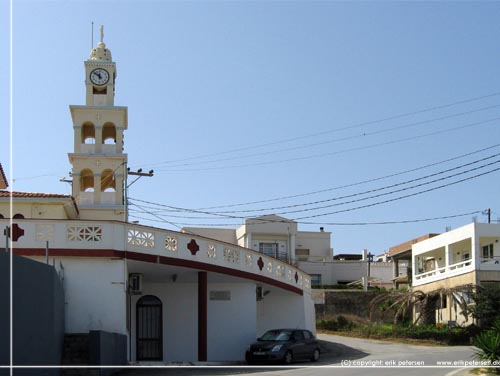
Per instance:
x=277, y=335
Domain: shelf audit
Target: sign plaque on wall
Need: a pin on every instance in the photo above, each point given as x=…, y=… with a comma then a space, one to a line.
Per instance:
x=220, y=295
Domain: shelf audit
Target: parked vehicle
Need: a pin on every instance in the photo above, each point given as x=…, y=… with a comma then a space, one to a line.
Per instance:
x=284, y=346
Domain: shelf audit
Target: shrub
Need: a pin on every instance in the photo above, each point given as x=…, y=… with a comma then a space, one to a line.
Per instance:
x=488, y=343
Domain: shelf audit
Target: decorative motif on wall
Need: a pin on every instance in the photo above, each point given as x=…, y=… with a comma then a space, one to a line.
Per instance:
x=270, y=267
x=84, y=233
x=260, y=263
x=231, y=255
x=248, y=260
x=193, y=247
x=280, y=271
x=307, y=283
x=44, y=232
x=141, y=238
x=211, y=251
x=296, y=277
x=171, y=243
x=289, y=274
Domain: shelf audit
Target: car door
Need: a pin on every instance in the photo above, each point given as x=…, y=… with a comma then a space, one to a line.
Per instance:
x=299, y=345
x=310, y=343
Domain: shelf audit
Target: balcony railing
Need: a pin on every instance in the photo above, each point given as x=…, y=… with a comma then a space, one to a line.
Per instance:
x=75, y=236
x=491, y=263
x=443, y=272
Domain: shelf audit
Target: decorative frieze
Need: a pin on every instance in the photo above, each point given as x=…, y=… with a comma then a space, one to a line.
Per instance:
x=248, y=260
x=231, y=255
x=44, y=232
x=211, y=251
x=171, y=243
x=141, y=238
x=84, y=233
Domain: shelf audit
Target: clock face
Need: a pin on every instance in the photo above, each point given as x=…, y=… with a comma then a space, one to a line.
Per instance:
x=99, y=76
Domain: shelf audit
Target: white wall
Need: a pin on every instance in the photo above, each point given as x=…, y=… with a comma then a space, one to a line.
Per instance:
x=282, y=309
x=231, y=323
x=180, y=319
x=95, y=294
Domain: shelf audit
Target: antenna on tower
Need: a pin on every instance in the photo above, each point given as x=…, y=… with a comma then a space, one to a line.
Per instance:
x=92, y=40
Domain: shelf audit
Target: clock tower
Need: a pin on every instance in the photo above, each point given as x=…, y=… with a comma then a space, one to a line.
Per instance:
x=99, y=166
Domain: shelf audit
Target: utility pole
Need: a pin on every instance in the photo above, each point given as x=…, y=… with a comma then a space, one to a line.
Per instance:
x=488, y=213
x=370, y=260
x=139, y=175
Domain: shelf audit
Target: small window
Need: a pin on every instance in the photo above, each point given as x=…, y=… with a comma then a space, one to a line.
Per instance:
x=444, y=300
x=315, y=279
x=488, y=251
x=18, y=216
x=1, y=216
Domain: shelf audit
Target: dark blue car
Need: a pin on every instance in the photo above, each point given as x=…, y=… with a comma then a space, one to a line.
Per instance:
x=283, y=346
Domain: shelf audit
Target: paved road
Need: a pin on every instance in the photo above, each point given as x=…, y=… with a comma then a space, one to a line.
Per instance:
x=346, y=355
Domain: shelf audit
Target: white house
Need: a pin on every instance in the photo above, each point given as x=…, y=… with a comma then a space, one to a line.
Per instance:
x=280, y=238
x=176, y=296
x=466, y=256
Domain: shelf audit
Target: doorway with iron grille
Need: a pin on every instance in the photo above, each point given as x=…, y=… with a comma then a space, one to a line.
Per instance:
x=149, y=329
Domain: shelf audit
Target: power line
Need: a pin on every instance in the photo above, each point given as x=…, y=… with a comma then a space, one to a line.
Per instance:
x=362, y=135
x=359, y=193
x=395, y=222
x=352, y=184
x=405, y=196
x=394, y=117
x=353, y=208
x=205, y=169
x=368, y=191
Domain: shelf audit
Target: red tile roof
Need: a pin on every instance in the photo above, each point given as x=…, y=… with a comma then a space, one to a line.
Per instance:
x=33, y=195
x=406, y=246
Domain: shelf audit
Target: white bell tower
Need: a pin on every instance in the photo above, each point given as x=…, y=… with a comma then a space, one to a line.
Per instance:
x=99, y=166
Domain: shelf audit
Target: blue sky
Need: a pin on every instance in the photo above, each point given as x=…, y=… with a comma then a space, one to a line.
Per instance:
x=238, y=102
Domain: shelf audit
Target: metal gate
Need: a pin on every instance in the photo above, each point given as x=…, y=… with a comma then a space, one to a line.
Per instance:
x=149, y=339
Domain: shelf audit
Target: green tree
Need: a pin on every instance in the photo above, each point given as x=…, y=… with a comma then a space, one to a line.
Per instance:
x=486, y=305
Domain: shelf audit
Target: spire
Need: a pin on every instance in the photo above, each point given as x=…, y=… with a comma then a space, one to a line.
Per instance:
x=101, y=53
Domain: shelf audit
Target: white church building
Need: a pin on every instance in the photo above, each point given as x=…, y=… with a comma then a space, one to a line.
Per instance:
x=175, y=295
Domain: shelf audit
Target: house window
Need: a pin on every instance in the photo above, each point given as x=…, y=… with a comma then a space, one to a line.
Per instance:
x=302, y=254
x=488, y=251
x=443, y=301
x=315, y=279
x=269, y=249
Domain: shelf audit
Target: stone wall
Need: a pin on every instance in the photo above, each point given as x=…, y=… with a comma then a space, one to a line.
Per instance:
x=346, y=303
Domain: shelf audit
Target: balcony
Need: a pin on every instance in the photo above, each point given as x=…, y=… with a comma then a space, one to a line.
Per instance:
x=442, y=272
x=154, y=245
x=490, y=263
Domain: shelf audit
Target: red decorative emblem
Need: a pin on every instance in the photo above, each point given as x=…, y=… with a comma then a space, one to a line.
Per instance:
x=296, y=277
x=193, y=247
x=260, y=263
x=17, y=232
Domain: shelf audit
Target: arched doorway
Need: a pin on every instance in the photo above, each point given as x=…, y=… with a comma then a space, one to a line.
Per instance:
x=149, y=328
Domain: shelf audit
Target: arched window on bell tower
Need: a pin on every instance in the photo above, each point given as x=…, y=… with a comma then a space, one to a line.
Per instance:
x=109, y=134
x=86, y=195
x=88, y=137
x=108, y=187
x=88, y=133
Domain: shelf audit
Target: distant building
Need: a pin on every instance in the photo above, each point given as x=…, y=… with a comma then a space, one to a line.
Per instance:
x=280, y=238
x=466, y=256
x=401, y=260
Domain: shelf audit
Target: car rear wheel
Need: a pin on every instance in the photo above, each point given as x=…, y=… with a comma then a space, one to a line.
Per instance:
x=288, y=359
x=315, y=356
